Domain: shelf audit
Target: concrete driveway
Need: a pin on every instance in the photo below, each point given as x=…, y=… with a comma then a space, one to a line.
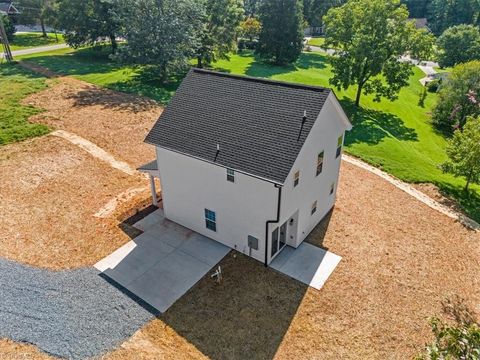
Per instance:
x=164, y=262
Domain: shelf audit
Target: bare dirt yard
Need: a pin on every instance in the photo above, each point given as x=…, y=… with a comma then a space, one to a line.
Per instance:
x=401, y=259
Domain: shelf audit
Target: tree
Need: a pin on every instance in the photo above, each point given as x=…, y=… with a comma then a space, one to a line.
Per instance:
x=88, y=22
x=370, y=36
x=36, y=12
x=160, y=34
x=417, y=8
x=315, y=10
x=463, y=151
x=250, y=28
x=251, y=7
x=281, y=37
x=459, y=44
x=221, y=24
x=443, y=14
x=457, y=339
x=458, y=97
x=9, y=27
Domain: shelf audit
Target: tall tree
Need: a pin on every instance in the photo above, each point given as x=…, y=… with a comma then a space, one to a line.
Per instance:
x=88, y=22
x=251, y=7
x=281, y=36
x=458, y=97
x=161, y=34
x=36, y=12
x=221, y=25
x=443, y=14
x=463, y=151
x=370, y=36
x=315, y=10
x=417, y=8
x=250, y=28
x=459, y=44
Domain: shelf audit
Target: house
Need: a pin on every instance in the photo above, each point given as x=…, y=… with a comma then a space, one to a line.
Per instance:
x=7, y=8
x=251, y=163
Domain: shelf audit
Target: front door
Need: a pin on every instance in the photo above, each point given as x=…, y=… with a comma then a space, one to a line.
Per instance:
x=279, y=239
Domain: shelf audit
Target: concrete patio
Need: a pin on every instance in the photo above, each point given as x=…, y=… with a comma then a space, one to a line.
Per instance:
x=163, y=263
x=308, y=263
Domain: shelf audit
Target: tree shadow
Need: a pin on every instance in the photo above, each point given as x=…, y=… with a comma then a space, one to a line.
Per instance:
x=112, y=100
x=469, y=202
x=372, y=126
x=13, y=69
x=260, y=68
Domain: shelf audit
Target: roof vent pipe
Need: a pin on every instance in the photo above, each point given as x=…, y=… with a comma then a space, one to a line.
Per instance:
x=303, y=122
x=218, y=151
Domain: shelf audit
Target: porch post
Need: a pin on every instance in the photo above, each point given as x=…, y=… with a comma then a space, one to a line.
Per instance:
x=154, y=192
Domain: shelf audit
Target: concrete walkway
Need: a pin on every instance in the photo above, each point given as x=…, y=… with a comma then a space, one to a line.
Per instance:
x=36, y=50
x=70, y=314
x=163, y=263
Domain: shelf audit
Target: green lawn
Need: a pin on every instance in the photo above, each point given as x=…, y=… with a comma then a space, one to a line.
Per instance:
x=34, y=39
x=317, y=41
x=16, y=84
x=395, y=136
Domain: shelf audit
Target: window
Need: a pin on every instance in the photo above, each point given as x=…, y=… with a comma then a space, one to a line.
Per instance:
x=296, y=178
x=332, y=188
x=339, y=145
x=314, y=207
x=210, y=220
x=230, y=175
x=320, y=163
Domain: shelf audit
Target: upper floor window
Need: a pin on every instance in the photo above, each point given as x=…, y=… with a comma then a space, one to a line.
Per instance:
x=320, y=163
x=339, y=145
x=296, y=178
x=230, y=175
x=210, y=220
x=314, y=207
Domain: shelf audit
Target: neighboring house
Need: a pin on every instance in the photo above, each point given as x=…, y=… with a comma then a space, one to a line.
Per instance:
x=6, y=7
x=251, y=163
x=420, y=23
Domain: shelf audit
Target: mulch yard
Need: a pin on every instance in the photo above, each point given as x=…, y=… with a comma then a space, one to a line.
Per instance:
x=51, y=190
x=116, y=122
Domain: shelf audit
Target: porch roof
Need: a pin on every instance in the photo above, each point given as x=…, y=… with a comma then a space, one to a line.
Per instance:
x=150, y=166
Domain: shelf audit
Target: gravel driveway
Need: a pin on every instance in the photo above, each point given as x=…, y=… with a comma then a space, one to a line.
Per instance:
x=73, y=314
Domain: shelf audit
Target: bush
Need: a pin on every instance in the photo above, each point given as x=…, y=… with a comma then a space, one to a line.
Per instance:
x=433, y=85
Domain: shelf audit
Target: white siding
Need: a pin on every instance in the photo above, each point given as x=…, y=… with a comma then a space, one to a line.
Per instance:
x=242, y=208
x=322, y=137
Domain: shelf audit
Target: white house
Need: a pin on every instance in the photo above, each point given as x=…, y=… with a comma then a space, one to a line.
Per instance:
x=248, y=162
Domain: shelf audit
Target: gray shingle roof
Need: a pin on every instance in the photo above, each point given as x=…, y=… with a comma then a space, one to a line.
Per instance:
x=255, y=121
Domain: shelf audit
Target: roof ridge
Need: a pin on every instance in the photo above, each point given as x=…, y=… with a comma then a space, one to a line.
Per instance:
x=262, y=80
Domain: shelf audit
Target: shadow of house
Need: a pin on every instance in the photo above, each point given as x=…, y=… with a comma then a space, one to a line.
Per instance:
x=372, y=126
x=246, y=316
x=317, y=236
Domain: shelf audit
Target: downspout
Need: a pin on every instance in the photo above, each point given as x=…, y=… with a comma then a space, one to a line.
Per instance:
x=279, y=187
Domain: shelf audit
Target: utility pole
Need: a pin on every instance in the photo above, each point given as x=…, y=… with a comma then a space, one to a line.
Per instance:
x=3, y=38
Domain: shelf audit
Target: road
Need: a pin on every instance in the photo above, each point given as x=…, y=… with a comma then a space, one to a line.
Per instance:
x=36, y=50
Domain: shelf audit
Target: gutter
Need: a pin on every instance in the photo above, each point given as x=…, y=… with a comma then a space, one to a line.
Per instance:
x=279, y=187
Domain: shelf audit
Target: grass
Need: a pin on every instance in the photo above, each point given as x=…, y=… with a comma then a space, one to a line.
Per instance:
x=395, y=136
x=16, y=84
x=317, y=41
x=93, y=65
x=33, y=39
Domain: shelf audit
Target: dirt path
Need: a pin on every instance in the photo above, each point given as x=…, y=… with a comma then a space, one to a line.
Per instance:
x=420, y=196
